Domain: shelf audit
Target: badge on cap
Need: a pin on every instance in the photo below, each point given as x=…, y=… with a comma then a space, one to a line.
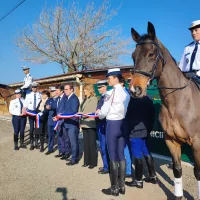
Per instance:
x=25, y=68
x=17, y=91
x=114, y=71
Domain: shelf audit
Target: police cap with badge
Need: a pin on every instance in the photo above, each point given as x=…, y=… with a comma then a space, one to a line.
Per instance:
x=18, y=91
x=25, y=68
x=195, y=24
x=34, y=85
x=102, y=83
x=114, y=72
x=52, y=89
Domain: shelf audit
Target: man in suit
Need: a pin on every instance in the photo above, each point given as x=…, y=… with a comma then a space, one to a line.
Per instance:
x=63, y=140
x=51, y=107
x=72, y=124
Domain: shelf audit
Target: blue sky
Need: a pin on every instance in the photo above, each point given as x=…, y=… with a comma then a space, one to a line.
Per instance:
x=170, y=18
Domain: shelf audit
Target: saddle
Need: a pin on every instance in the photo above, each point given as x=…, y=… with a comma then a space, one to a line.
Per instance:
x=193, y=77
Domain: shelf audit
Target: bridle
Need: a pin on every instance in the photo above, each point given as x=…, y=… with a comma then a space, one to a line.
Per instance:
x=151, y=73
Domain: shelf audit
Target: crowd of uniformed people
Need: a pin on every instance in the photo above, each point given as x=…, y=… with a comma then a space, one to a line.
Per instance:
x=120, y=122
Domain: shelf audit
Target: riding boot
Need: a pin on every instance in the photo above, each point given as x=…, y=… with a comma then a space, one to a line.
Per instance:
x=138, y=174
x=114, y=189
x=151, y=169
x=16, y=142
x=37, y=141
x=22, y=145
x=31, y=141
x=41, y=143
x=122, y=175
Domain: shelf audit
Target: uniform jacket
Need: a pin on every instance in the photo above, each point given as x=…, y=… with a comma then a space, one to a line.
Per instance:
x=51, y=111
x=89, y=105
x=186, y=58
x=29, y=101
x=140, y=117
x=115, y=104
x=15, y=106
x=71, y=106
x=27, y=82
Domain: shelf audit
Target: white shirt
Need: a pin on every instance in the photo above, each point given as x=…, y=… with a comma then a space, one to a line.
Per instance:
x=186, y=58
x=15, y=106
x=27, y=81
x=69, y=96
x=60, y=98
x=29, y=101
x=115, y=104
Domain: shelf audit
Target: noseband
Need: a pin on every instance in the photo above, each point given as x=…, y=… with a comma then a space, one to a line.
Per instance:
x=151, y=73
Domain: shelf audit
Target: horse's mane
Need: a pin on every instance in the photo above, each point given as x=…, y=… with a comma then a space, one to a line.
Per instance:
x=4, y=86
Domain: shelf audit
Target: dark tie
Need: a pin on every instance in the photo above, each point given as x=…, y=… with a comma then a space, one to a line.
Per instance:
x=193, y=56
x=34, y=102
x=21, y=106
x=100, y=103
x=58, y=101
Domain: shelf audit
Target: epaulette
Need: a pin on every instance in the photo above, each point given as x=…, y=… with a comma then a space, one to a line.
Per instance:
x=189, y=44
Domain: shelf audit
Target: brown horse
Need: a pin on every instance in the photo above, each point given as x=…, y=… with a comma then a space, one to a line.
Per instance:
x=180, y=111
x=6, y=94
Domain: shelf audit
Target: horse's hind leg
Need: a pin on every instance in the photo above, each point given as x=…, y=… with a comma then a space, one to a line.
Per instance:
x=196, y=152
x=175, y=150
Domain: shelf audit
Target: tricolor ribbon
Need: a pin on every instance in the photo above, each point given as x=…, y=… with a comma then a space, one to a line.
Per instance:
x=37, y=117
x=65, y=116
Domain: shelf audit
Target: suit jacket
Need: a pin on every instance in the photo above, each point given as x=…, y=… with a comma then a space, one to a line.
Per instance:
x=60, y=108
x=71, y=106
x=89, y=105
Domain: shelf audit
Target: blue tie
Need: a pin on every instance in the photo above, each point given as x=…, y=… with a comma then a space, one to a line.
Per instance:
x=21, y=106
x=34, y=102
x=100, y=103
x=193, y=56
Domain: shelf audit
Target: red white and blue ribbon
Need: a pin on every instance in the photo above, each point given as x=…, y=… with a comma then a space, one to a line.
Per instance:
x=56, y=126
x=65, y=116
x=91, y=115
x=37, y=117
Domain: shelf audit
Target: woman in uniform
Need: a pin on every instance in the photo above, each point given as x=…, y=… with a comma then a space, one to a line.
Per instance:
x=18, y=119
x=114, y=110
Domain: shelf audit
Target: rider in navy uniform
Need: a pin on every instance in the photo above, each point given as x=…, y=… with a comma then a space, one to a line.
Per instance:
x=101, y=128
x=18, y=119
x=114, y=110
x=190, y=61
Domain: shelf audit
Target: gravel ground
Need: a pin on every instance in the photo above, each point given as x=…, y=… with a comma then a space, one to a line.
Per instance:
x=31, y=175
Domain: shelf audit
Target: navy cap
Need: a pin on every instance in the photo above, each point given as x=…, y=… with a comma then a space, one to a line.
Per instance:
x=114, y=71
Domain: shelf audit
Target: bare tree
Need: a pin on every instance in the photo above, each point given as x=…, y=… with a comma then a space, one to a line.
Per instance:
x=76, y=39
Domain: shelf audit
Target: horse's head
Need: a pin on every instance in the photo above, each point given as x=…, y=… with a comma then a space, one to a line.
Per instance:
x=148, y=61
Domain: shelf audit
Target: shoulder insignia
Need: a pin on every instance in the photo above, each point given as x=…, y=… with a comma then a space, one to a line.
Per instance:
x=189, y=44
x=107, y=97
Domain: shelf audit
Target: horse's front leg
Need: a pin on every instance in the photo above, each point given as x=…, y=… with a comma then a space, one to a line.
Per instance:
x=175, y=150
x=196, y=152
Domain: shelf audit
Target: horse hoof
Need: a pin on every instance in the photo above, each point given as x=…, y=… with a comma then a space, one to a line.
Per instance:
x=177, y=198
